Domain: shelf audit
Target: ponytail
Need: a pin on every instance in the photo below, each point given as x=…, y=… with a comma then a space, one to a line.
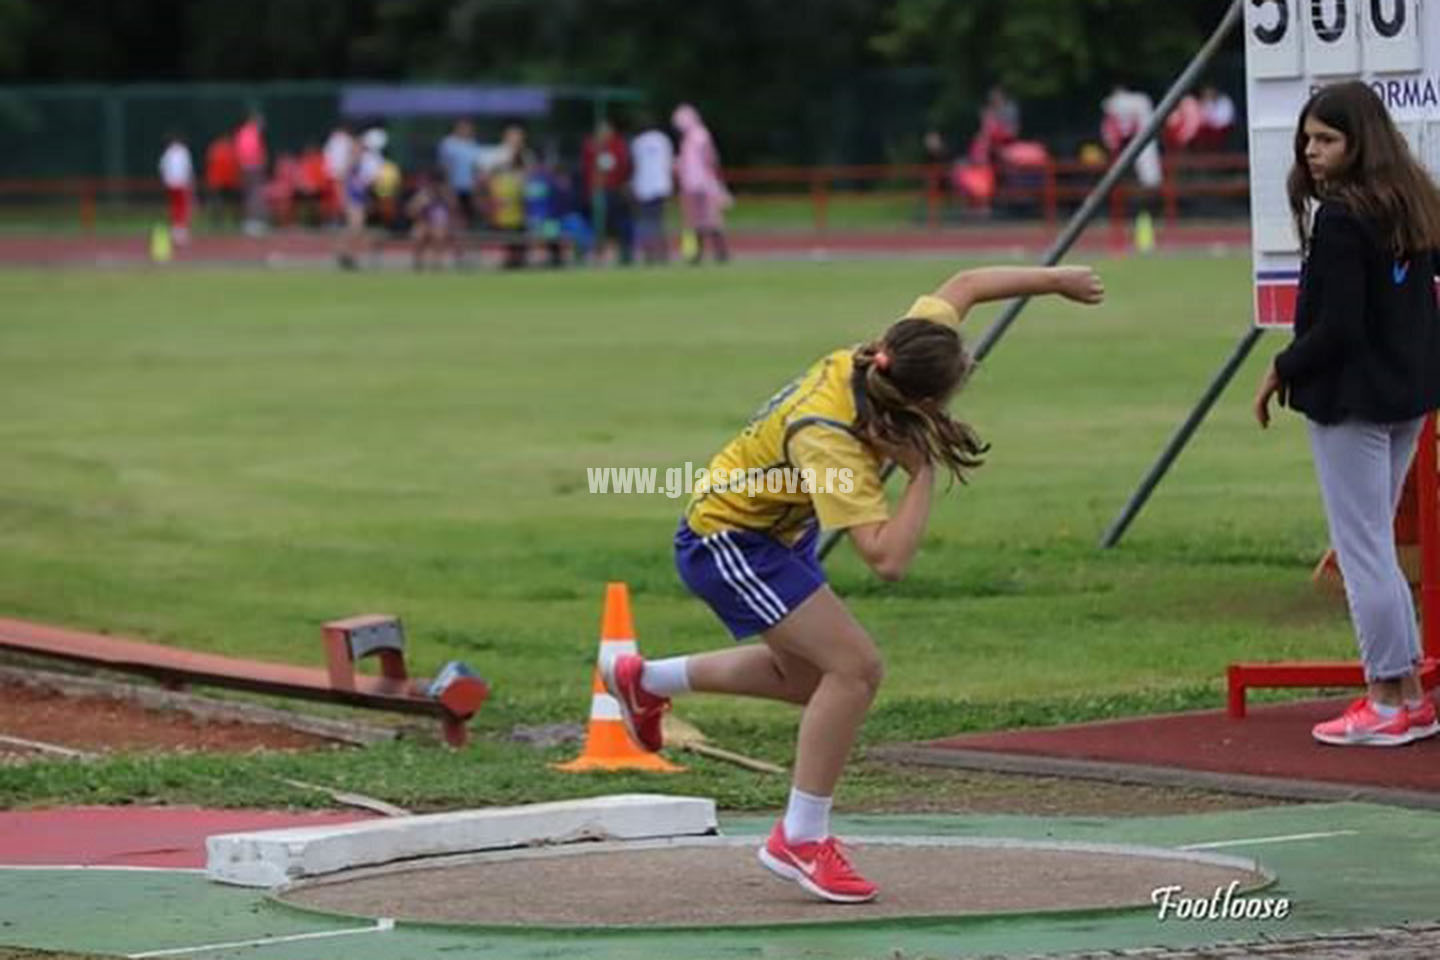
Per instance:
x=904, y=378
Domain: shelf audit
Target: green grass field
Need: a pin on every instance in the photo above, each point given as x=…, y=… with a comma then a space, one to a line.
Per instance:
x=223, y=460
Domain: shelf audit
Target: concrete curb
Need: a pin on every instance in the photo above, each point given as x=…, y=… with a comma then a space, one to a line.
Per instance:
x=269, y=858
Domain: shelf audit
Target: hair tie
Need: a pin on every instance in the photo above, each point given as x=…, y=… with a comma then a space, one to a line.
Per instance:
x=882, y=359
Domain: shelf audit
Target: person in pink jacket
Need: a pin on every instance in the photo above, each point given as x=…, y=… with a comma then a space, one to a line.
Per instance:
x=703, y=197
x=250, y=152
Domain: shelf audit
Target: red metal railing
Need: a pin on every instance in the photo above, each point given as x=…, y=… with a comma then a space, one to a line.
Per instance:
x=1048, y=187
x=1425, y=491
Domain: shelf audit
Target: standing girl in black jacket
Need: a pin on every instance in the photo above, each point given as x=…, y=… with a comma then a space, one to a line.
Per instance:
x=1364, y=368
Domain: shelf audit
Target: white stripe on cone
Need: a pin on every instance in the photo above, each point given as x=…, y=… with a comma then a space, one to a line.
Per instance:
x=604, y=707
x=610, y=649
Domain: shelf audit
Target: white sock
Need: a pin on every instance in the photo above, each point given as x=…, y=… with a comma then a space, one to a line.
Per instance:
x=666, y=678
x=807, y=818
x=1383, y=710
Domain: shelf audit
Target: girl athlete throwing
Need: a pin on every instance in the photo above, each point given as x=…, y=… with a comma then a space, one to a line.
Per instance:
x=749, y=551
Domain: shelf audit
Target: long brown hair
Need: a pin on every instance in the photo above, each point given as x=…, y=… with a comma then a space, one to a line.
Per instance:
x=906, y=376
x=1381, y=181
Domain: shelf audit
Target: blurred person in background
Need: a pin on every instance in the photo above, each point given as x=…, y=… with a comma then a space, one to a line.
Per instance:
x=432, y=211
x=703, y=197
x=605, y=167
x=178, y=174
x=651, y=185
x=387, y=182
x=514, y=145
x=251, y=155
x=459, y=157
x=222, y=181
x=507, y=207
x=339, y=152
x=1182, y=127
x=1217, y=113
x=1124, y=114
x=360, y=175
x=313, y=189
x=566, y=202
x=999, y=127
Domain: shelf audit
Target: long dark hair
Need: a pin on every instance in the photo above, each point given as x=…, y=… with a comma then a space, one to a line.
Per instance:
x=906, y=375
x=1381, y=181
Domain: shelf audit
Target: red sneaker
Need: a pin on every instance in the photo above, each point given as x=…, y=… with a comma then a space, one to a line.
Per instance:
x=1360, y=725
x=820, y=867
x=1423, y=721
x=640, y=709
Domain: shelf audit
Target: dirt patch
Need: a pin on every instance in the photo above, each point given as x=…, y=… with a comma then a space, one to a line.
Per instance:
x=724, y=885
x=102, y=725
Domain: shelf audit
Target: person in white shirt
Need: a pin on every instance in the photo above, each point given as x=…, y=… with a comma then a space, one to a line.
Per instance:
x=1218, y=118
x=339, y=152
x=651, y=184
x=459, y=156
x=177, y=172
x=1125, y=114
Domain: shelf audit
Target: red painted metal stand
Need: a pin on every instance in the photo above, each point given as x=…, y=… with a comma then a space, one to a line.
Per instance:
x=1242, y=676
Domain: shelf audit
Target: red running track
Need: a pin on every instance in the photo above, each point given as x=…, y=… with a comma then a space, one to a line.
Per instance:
x=300, y=247
x=1272, y=742
x=167, y=837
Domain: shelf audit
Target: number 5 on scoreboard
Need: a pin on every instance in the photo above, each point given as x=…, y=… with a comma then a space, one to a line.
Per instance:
x=1272, y=40
x=1287, y=39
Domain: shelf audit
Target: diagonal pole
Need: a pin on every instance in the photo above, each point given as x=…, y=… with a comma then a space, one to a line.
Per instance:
x=1157, y=471
x=1082, y=217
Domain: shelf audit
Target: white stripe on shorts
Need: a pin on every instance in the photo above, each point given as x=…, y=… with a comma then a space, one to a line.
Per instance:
x=723, y=564
x=754, y=578
x=746, y=577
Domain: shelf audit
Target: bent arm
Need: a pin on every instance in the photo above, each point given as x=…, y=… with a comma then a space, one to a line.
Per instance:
x=888, y=547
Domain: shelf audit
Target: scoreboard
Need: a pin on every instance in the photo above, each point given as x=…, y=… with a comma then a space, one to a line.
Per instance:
x=1292, y=48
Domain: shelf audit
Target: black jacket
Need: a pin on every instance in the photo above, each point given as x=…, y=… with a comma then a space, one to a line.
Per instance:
x=1367, y=329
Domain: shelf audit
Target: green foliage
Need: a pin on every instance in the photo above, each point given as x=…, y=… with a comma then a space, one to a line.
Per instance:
x=800, y=81
x=1045, y=49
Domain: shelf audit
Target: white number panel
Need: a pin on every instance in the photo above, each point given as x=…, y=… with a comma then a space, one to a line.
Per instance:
x=1388, y=37
x=1332, y=43
x=1292, y=49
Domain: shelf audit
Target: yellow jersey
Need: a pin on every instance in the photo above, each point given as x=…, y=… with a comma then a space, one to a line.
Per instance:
x=799, y=459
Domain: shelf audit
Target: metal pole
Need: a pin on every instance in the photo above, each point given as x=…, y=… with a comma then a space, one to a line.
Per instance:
x=1181, y=437
x=1082, y=217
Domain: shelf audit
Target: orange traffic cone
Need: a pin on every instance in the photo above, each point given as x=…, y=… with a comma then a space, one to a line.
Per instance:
x=607, y=745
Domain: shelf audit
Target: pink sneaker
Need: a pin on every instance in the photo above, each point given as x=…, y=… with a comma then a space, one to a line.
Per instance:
x=821, y=867
x=1360, y=725
x=640, y=709
x=1423, y=721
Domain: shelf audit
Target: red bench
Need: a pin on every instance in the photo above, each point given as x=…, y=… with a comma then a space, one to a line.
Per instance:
x=454, y=696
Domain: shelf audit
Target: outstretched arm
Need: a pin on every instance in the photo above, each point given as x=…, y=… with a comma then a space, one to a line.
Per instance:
x=969, y=287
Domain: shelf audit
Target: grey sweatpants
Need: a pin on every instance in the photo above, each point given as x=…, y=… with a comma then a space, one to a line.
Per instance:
x=1362, y=469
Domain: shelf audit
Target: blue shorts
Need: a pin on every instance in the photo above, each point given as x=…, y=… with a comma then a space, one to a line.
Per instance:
x=751, y=581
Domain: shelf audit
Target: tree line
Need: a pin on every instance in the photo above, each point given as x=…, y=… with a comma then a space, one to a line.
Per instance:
x=779, y=80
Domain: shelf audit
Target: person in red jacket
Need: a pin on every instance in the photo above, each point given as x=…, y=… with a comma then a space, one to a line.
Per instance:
x=606, y=169
x=222, y=180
